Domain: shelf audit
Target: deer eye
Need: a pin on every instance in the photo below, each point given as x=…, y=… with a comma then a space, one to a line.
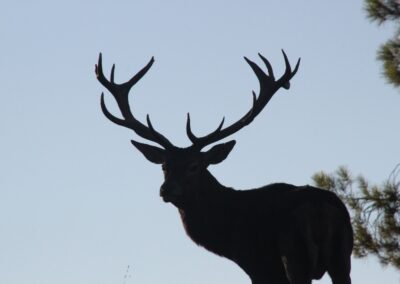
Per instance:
x=192, y=168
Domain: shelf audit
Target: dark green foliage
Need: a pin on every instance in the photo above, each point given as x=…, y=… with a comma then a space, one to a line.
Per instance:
x=382, y=10
x=389, y=53
x=375, y=212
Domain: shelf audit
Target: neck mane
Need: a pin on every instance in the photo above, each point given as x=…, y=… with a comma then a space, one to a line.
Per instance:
x=208, y=192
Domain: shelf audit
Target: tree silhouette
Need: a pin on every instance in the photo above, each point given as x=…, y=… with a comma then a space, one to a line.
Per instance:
x=375, y=212
x=382, y=11
x=375, y=209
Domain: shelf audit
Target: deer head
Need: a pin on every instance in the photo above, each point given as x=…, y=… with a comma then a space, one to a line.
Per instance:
x=185, y=167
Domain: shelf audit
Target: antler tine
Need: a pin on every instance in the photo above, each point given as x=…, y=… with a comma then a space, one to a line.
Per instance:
x=99, y=72
x=189, y=132
x=193, y=138
x=111, y=117
x=120, y=92
x=268, y=65
x=112, y=74
x=159, y=137
x=259, y=72
x=288, y=71
x=268, y=87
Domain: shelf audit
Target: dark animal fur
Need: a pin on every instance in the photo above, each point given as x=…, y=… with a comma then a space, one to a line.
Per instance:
x=277, y=233
x=265, y=230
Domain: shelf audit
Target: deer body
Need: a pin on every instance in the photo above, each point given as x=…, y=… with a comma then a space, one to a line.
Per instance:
x=258, y=229
x=279, y=233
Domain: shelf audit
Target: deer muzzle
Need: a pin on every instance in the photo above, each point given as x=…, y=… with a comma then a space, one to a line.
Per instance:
x=171, y=192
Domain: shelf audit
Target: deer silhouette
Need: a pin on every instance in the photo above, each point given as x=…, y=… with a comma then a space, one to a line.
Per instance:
x=279, y=233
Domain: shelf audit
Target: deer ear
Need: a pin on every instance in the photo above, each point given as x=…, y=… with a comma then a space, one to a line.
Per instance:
x=219, y=152
x=153, y=154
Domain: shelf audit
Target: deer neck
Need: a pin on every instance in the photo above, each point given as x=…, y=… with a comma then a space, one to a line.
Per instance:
x=201, y=217
x=209, y=191
x=210, y=182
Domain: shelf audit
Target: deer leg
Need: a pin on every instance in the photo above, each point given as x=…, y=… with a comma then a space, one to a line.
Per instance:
x=339, y=268
x=297, y=270
x=267, y=269
x=296, y=258
x=339, y=261
x=340, y=274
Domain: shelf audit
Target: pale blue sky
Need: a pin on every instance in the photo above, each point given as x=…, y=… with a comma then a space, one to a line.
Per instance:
x=78, y=204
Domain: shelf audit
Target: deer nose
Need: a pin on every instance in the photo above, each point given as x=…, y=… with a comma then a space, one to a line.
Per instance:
x=165, y=189
x=162, y=190
x=169, y=189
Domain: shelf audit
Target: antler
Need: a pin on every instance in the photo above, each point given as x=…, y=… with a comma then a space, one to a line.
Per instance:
x=268, y=87
x=120, y=92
